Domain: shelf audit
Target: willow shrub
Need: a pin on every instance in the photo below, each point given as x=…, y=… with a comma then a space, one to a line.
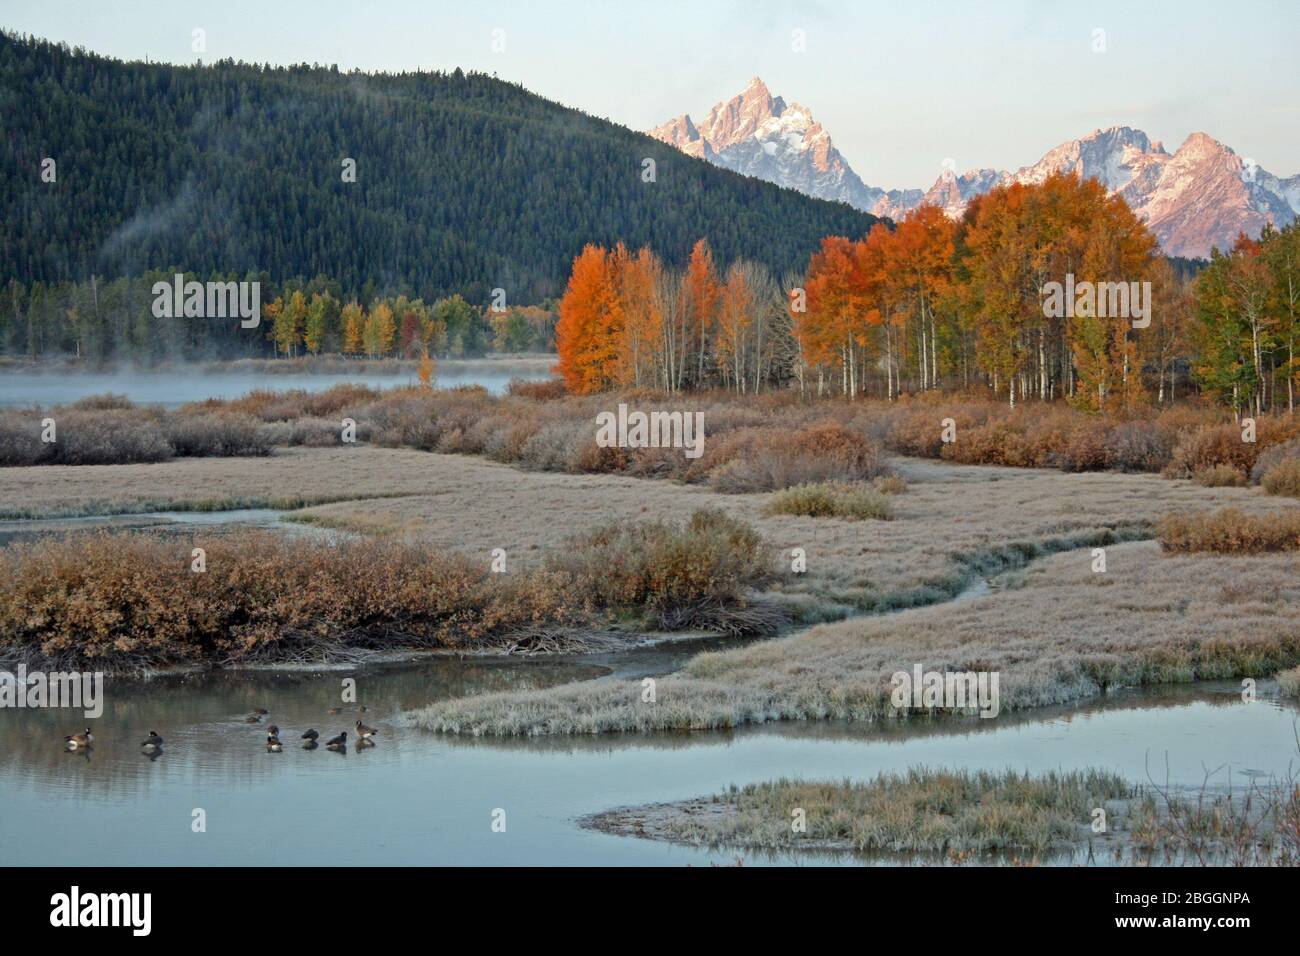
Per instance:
x=130, y=600
x=1229, y=531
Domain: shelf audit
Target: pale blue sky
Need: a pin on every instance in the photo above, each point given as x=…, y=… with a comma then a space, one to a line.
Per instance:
x=900, y=85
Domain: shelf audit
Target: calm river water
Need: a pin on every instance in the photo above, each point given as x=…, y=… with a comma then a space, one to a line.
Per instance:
x=423, y=798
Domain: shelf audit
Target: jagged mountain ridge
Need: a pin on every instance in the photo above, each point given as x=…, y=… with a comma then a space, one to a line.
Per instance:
x=1199, y=197
x=760, y=135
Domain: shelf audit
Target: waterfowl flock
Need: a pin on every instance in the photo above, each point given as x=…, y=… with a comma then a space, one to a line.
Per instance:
x=152, y=744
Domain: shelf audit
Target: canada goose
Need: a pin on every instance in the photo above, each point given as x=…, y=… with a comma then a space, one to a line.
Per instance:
x=260, y=710
x=79, y=740
x=273, y=744
x=310, y=735
x=273, y=731
x=363, y=731
x=339, y=742
x=152, y=742
x=310, y=744
x=252, y=719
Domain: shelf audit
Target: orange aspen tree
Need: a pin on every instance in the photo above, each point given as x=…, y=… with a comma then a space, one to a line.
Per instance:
x=921, y=252
x=823, y=329
x=701, y=292
x=640, y=361
x=736, y=318
x=586, y=338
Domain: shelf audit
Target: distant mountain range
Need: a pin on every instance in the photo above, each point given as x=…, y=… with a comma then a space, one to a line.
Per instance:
x=1199, y=197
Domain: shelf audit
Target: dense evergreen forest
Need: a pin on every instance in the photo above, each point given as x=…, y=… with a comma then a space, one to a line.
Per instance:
x=463, y=183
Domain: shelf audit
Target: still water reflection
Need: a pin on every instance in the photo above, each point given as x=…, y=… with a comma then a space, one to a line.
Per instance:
x=420, y=798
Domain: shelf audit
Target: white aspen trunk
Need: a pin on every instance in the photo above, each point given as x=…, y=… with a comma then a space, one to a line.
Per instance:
x=934, y=350
x=922, y=363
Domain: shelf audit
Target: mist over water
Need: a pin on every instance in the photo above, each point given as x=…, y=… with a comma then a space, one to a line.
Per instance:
x=192, y=384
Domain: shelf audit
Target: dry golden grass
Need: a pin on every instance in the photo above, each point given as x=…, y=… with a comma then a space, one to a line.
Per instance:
x=953, y=522
x=1063, y=634
x=288, y=478
x=928, y=811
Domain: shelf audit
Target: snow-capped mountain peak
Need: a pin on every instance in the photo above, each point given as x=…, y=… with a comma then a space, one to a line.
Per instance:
x=760, y=135
x=1199, y=197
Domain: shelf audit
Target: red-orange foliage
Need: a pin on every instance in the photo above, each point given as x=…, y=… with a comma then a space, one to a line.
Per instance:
x=587, y=334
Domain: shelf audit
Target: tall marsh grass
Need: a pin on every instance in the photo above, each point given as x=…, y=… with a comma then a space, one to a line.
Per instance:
x=922, y=810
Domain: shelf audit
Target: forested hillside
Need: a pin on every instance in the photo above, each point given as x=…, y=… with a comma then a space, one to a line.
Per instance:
x=464, y=183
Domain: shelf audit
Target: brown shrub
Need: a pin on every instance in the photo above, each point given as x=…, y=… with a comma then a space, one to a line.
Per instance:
x=334, y=399
x=20, y=442
x=316, y=432
x=283, y=406
x=548, y=391
x=1220, y=476
x=126, y=600
x=1212, y=445
x=558, y=447
x=107, y=402
x=116, y=437
x=507, y=443
x=767, y=459
x=1275, y=455
x=1066, y=440
x=1229, y=531
x=890, y=484
x=401, y=420
x=1140, y=446
x=216, y=435
x=994, y=443
x=682, y=574
x=1283, y=478
x=917, y=428
x=853, y=501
